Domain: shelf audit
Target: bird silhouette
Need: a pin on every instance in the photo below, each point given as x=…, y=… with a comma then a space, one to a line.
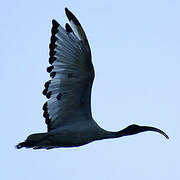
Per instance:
x=67, y=111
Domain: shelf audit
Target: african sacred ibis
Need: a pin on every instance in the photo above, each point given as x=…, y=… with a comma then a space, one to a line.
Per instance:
x=68, y=109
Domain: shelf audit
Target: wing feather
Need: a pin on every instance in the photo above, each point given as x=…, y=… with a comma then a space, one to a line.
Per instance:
x=71, y=72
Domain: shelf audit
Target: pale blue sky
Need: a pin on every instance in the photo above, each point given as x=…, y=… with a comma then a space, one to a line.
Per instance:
x=135, y=47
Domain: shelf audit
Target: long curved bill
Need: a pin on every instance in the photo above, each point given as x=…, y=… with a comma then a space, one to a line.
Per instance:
x=147, y=128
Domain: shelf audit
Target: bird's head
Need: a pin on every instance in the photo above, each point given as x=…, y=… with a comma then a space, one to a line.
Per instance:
x=134, y=129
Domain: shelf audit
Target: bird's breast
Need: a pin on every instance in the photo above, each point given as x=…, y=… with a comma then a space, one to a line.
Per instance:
x=73, y=136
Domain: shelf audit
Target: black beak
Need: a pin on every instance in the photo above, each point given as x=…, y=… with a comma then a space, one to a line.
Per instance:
x=148, y=128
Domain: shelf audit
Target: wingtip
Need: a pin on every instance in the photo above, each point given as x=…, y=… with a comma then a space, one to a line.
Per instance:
x=72, y=17
x=55, y=23
x=68, y=14
x=66, y=10
x=68, y=28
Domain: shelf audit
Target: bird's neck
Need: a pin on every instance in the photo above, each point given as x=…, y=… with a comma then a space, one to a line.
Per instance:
x=110, y=134
x=133, y=129
x=120, y=133
x=124, y=132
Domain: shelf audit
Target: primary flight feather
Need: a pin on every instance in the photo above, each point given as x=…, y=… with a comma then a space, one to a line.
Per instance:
x=67, y=111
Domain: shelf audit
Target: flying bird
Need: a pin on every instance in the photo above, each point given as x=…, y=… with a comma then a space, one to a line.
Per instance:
x=67, y=111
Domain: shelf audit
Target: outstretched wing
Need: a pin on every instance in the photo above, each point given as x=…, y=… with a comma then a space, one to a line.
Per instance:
x=71, y=72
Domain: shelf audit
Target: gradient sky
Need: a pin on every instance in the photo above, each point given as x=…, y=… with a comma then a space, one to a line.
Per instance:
x=135, y=47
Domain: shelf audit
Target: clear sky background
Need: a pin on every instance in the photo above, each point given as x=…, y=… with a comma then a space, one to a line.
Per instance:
x=136, y=54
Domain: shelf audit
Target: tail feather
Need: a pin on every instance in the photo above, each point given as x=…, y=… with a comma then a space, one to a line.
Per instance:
x=32, y=141
x=27, y=144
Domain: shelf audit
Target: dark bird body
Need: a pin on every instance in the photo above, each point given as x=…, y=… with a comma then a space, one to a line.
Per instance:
x=67, y=111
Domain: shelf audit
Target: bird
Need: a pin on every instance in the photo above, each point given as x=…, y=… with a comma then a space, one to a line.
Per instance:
x=67, y=111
